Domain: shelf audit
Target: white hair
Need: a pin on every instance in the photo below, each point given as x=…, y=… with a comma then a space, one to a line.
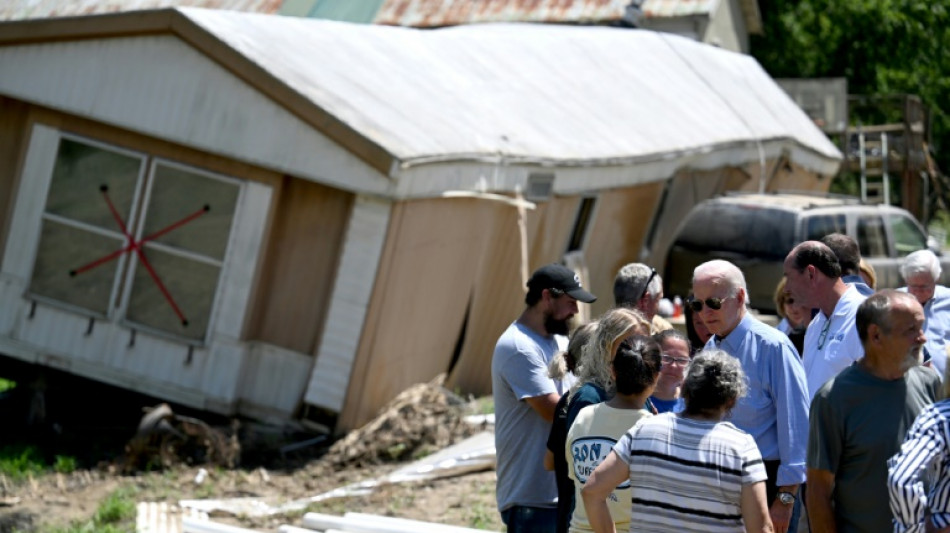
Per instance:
x=919, y=262
x=724, y=270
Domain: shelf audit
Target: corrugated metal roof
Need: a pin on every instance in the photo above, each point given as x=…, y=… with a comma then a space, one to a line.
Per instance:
x=678, y=8
x=436, y=13
x=412, y=13
x=31, y=9
x=541, y=92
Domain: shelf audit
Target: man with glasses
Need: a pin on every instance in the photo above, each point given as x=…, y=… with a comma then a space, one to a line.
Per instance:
x=813, y=278
x=639, y=287
x=921, y=271
x=525, y=398
x=775, y=409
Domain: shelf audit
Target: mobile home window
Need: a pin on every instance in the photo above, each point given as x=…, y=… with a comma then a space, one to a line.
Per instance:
x=133, y=238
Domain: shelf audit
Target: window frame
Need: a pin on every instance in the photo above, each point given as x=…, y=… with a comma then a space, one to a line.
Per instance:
x=122, y=260
x=122, y=284
x=134, y=262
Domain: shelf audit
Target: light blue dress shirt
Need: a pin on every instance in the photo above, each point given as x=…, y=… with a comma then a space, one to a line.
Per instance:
x=775, y=410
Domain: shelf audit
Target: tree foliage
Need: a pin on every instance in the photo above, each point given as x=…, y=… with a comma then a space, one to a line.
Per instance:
x=881, y=46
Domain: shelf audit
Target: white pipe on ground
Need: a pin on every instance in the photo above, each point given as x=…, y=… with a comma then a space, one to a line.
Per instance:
x=421, y=527
x=363, y=523
x=295, y=529
x=192, y=525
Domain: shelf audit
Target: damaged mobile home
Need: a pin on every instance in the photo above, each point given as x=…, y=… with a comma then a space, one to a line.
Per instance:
x=292, y=218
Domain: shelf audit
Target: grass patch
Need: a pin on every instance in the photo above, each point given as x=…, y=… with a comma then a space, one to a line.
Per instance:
x=116, y=514
x=65, y=464
x=118, y=507
x=19, y=461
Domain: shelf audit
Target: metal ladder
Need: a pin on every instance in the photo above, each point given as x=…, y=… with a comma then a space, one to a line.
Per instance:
x=878, y=192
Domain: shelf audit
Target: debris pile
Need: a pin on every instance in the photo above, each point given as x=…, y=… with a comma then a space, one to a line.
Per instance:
x=422, y=419
x=165, y=439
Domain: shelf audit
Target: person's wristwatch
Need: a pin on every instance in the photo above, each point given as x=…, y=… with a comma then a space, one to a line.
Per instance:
x=787, y=498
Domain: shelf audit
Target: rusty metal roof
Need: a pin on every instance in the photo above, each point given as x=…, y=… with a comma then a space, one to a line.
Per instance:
x=433, y=13
x=678, y=8
x=437, y=13
x=32, y=9
x=412, y=13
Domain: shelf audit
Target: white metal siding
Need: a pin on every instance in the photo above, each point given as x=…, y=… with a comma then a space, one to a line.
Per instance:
x=274, y=381
x=365, y=237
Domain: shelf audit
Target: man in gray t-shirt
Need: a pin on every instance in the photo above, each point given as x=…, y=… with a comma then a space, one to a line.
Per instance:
x=525, y=398
x=859, y=418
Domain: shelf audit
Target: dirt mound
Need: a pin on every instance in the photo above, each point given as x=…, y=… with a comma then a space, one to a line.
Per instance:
x=422, y=419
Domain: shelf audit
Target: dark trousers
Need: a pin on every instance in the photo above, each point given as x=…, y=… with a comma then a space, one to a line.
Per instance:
x=520, y=519
x=771, y=491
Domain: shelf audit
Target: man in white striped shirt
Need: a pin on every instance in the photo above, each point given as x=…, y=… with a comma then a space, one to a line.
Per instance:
x=918, y=477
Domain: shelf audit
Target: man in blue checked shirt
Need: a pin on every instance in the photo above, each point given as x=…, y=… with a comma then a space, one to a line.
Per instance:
x=775, y=410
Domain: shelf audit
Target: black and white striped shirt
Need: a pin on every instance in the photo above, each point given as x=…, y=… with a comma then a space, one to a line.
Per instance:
x=687, y=475
x=918, y=477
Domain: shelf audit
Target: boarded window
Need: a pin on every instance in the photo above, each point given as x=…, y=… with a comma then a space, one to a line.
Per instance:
x=129, y=238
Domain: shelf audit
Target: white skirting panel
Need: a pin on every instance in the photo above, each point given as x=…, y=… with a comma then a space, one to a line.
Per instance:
x=356, y=276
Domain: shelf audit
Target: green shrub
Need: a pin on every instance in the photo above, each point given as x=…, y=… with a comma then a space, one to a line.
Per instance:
x=19, y=461
x=65, y=464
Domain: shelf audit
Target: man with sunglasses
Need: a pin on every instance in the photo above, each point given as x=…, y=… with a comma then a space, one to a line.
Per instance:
x=639, y=287
x=813, y=278
x=775, y=409
x=525, y=398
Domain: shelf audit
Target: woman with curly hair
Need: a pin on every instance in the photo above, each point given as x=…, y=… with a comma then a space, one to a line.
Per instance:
x=691, y=470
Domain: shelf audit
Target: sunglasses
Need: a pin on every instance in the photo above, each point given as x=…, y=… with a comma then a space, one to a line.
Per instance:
x=647, y=284
x=713, y=303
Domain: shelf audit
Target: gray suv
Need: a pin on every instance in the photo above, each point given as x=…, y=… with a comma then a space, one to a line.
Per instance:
x=756, y=232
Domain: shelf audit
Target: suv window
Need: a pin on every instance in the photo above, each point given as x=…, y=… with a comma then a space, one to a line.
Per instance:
x=871, y=236
x=817, y=226
x=747, y=230
x=907, y=235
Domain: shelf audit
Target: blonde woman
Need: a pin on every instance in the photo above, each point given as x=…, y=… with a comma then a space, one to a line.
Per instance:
x=595, y=382
x=598, y=427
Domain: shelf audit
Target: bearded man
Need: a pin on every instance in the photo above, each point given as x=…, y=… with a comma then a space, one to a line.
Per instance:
x=860, y=417
x=525, y=398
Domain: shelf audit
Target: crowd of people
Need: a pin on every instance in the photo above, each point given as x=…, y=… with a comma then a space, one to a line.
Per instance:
x=834, y=420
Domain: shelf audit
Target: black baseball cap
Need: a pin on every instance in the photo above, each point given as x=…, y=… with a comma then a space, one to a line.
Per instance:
x=555, y=276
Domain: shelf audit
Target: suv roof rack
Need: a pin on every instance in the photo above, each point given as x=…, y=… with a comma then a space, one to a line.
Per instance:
x=816, y=194
x=832, y=195
x=791, y=199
